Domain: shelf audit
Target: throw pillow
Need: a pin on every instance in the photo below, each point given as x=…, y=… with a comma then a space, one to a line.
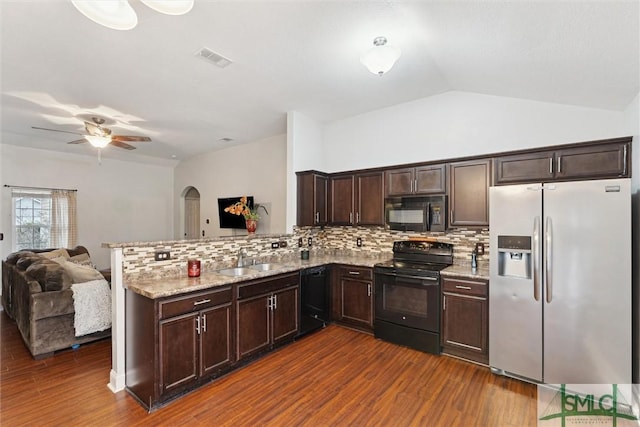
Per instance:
x=15, y=257
x=50, y=275
x=56, y=253
x=24, y=262
x=81, y=273
x=82, y=259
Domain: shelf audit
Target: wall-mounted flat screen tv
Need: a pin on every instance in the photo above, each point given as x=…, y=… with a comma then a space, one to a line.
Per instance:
x=229, y=220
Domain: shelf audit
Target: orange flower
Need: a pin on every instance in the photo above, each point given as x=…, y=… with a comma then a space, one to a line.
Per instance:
x=242, y=208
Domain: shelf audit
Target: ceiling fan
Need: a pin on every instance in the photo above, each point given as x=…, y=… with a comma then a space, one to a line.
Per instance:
x=100, y=136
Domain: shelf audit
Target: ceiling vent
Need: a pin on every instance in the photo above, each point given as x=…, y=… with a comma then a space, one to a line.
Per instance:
x=211, y=56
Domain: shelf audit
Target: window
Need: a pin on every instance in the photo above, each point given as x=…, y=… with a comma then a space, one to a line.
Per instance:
x=43, y=218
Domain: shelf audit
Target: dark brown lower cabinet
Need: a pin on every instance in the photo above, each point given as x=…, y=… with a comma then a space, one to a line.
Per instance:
x=175, y=344
x=465, y=318
x=267, y=313
x=352, y=296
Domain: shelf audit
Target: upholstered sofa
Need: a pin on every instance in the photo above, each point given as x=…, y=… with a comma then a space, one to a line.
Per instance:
x=37, y=293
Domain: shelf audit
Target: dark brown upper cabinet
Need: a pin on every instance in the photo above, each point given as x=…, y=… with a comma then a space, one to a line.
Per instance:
x=429, y=179
x=312, y=198
x=357, y=199
x=469, y=193
x=603, y=160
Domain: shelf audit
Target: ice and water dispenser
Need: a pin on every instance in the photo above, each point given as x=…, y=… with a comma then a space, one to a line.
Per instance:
x=514, y=256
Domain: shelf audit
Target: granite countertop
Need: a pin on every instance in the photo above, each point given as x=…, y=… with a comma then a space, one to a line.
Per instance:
x=464, y=270
x=171, y=286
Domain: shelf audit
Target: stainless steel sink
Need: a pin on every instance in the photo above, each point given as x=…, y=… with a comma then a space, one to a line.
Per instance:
x=265, y=267
x=235, y=272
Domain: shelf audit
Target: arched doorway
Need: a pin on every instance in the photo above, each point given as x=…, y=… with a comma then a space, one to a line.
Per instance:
x=192, y=213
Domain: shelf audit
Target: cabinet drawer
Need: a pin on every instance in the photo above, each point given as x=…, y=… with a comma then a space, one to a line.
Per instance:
x=361, y=273
x=267, y=285
x=465, y=287
x=193, y=302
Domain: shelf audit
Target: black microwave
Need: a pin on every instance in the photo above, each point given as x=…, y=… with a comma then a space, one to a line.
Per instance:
x=427, y=213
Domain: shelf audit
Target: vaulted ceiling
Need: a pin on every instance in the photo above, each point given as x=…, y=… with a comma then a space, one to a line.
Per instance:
x=58, y=67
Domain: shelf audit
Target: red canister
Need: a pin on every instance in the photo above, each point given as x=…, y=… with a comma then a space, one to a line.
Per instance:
x=193, y=268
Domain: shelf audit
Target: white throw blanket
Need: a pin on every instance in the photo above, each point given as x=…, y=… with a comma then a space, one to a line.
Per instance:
x=92, y=303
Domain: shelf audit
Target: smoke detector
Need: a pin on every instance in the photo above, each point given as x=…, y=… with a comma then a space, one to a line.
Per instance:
x=217, y=59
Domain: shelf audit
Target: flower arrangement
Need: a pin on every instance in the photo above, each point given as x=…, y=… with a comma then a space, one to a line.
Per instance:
x=242, y=208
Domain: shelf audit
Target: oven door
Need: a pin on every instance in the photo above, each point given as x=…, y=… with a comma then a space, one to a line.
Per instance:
x=408, y=300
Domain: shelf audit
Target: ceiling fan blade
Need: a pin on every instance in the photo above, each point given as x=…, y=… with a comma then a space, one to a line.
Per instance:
x=121, y=144
x=77, y=141
x=130, y=138
x=56, y=130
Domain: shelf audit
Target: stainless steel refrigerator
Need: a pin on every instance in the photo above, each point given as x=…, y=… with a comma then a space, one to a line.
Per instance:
x=560, y=290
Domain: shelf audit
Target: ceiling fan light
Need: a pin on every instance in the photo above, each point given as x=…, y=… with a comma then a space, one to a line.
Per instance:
x=381, y=57
x=170, y=7
x=98, y=141
x=114, y=14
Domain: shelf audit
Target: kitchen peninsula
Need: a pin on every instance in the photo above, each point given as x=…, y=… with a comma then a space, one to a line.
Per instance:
x=182, y=332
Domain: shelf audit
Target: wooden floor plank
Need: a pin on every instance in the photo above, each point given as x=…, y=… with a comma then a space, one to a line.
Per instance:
x=335, y=377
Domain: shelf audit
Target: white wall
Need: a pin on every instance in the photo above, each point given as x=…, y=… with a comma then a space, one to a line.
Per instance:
x=456, y=124
x=255, y=169
x=304, y=151
x=118, y=201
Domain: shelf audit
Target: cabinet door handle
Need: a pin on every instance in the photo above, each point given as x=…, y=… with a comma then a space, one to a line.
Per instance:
x=354, y=273
x=202, y=301
x=198, y=325
x=451, y=216
x=444, y=302
x=468, y=288
x=624, y=155
x=559, y=164
x=415, y=185
x=350, y=217
x=275, y=302
x=411, y=186
x=317, y=217
x=204, y=323
x=550, y=165
x=357, y=217
x=369, y=290
x=270, y=303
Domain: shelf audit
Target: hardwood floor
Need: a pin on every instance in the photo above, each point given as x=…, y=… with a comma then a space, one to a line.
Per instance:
x=335, y=377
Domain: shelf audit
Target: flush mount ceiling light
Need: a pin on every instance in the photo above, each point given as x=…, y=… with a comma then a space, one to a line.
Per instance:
x=114, y=14
x=97, y=140
x=381, y=57
x=170, y=7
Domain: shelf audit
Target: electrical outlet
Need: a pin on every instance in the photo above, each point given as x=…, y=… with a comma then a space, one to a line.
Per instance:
x=480, y=248
x=359, y=242
x=300, y=242
x=162, y=255
x=283, y=244
x=310, y=241
x=275, y=245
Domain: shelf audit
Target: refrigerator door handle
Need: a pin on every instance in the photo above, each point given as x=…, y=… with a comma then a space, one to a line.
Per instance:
x=536, y=258
x=548, y=251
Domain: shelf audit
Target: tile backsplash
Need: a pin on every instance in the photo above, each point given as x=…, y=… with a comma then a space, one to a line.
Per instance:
x=214, y=253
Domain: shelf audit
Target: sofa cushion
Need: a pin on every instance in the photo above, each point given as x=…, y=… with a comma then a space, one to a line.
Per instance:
x=24, y=262
x=81, y=273
x=50, y=275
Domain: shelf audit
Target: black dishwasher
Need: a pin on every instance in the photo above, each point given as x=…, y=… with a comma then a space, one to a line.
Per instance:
x=314, y=299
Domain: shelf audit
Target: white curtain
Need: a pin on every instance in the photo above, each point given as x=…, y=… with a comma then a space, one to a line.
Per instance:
x=64, y=228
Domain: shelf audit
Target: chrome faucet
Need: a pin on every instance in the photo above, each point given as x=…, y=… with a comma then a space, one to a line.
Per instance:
x=241, y=254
